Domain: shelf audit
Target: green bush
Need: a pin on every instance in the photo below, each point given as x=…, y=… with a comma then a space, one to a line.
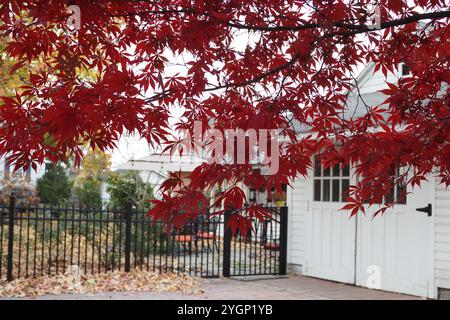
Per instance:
x=54, y=188
x=146, y=237
x=123, y=187
x=89, y=193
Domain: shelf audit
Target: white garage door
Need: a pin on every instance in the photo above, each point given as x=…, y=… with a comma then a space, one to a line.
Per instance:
x=330, y=234
x=397, y=247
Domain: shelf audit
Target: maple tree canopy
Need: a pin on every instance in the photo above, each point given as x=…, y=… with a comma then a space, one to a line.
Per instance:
x=249, y=64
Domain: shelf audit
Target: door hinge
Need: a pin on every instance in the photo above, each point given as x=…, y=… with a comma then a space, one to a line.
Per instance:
x=428, y=210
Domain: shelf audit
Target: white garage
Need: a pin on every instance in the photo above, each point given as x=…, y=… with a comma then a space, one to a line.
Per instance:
x=404, y=250
x=399, y=246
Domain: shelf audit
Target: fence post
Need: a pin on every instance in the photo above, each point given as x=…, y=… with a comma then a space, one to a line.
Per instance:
x=128, y=237
x=227, y=245
x=283, y=240
x=9, y=266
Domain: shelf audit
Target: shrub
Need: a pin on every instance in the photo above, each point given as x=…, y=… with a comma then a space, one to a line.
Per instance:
x=54, y=188
x=123, y=187
x=89, y=194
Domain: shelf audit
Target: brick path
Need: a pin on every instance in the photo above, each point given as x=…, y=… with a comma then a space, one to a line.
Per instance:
x=293, y=287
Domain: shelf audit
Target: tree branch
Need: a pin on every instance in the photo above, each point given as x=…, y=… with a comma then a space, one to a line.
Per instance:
x=273, y=71
x=357, y=28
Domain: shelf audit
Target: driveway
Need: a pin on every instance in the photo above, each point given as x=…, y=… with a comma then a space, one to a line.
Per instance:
x=287, y=288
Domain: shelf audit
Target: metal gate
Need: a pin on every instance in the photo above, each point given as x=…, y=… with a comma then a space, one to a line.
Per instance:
x=262, y=251
x=37, y=240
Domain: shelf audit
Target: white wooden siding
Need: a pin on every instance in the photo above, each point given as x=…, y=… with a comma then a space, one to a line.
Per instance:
x=442, y=236
x=371, y=82
x=297, y=202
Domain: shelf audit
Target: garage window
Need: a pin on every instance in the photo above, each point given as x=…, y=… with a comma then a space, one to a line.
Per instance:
x=398, y=192
x=330, y=183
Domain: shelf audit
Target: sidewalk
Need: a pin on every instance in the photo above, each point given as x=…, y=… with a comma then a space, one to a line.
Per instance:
x=289, y=288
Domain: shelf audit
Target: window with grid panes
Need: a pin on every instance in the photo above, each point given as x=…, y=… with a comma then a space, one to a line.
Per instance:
x=331, y=184
x=398, y=190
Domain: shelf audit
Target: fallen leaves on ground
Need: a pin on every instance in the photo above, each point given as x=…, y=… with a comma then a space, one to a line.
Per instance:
x=72, y=283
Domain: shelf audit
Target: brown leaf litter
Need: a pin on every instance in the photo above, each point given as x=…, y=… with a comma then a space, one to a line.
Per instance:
x=75, y=283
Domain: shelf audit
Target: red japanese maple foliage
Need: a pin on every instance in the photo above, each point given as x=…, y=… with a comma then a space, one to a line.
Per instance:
x=249, y=64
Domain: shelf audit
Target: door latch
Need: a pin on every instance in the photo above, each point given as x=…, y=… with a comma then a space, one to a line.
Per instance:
x=426, y=209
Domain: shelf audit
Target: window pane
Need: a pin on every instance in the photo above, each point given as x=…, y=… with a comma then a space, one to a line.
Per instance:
x=336, y=190
x=317, y=167
x=326, y=172
x=326, y=190
x=389, y=198
x=401, y=193
x=336, y=170
x=345, y=187
x=346, y=171
x=401, y=187
x=316, y=190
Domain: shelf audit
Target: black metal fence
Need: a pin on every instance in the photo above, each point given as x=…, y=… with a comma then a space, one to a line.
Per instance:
x=42, y=240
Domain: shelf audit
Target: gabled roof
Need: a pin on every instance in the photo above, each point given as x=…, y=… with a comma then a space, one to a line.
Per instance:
x=365, y=74
x=161, y=163
x=357, y=103
x=356, y=107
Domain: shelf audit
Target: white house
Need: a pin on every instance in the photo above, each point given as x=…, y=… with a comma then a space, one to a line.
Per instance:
x=155, y=168
x=405, y=250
